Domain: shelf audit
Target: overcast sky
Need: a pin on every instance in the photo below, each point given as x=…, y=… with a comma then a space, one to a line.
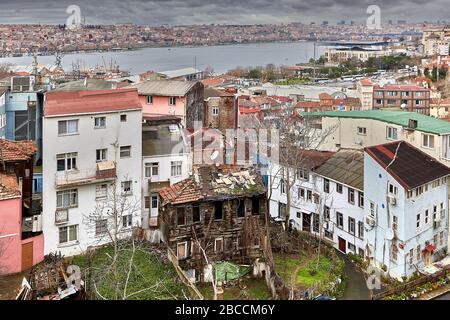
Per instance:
x=178, y=12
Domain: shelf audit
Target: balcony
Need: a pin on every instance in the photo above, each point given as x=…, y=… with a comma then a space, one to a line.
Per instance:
x=103, y=171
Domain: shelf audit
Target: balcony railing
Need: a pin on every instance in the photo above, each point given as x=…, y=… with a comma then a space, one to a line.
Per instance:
x=103, y=171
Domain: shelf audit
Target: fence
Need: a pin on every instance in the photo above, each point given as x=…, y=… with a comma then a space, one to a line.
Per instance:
x=408, y=286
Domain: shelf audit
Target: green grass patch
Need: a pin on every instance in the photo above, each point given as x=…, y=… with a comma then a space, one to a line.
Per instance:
x=246, y=289
x=149, y=278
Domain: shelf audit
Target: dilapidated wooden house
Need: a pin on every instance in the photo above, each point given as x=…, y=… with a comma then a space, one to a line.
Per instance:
x=218, y=214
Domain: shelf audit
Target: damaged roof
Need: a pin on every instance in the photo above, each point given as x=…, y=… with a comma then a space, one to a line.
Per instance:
x=408, y=165
x=210, y=183
x=346, y=167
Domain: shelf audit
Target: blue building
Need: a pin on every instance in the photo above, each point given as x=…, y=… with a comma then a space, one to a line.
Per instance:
x=24, y=110
x=3, y=93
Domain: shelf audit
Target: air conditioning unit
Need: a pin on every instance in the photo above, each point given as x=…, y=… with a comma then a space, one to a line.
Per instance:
x=370, y=221
x=392, y=200
x=37, y=223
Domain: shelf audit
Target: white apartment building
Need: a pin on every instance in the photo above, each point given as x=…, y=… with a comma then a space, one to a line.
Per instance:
x=327, y=198
x=165, y=160
x=359, y=129
x=406, y=208
x=92, y=164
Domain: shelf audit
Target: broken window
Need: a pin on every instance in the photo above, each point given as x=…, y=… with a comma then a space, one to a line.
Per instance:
x=255, y=206
x=218, y=245
x=101, y=227
x=181, y=216
x=315, y=222
x=182, y=250
x=195, y=214
x=218, y=212
x=281, y=210
x=241, y=209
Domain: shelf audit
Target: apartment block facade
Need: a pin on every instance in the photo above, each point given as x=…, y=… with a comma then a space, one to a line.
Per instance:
x=92, y=164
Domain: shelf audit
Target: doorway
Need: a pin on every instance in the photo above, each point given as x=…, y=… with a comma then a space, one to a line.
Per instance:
x=342, y=245
x=306, y=222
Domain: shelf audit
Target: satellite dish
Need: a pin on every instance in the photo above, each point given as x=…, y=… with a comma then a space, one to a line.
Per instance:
x=389, y=234
x=214, y=155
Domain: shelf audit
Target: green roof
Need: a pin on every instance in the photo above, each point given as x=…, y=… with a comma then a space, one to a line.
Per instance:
x=401, y=118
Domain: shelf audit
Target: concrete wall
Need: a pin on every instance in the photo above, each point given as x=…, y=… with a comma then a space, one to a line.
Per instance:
x=10, y=235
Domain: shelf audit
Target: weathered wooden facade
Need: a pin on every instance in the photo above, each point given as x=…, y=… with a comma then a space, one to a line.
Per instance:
x=214, y=216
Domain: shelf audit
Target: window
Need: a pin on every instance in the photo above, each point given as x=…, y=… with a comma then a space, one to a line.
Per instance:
x=125, y=151
x=394, y=252
x=339, y=220
x=395, y=223
x=66, y=161
x=301, y=193
x=181, y=216
x=302, y=174
x=215, y=111
x=182, y=250
x=151, y=169
x=360, y=229
x=147, y=202
x=154, y=203
x=241, y=209
x=442, y=211
x=427, y=140
x=101, y=227
x=339, y=188
x=362, y=130
x=218, y=213
x=351, y=225
x=175, y=168
x=326, y=185
x=361, y=199
x=126, y=187
x=391, y=133
x=195, y=214
x=418, y=221
x=427, y=214
x=68, y=234
x=127, y=221
x=282, y=186
x=411, y=256
x=351, y=247
x=255, y=206
x=99, y=122
x=123, y=118
x=441, y=238
x=149, y=99
x=392, y=93
x=316, y=224
x=172, y=101
x=101, y=191
x=351, y=196
x=282, y=210
x=309, y=195
x=405, y=93
x=328, y=234
x=418, y=253
x=67, y=198
x=101, y=155
x=218, y=245
x=67, y=127
x=326, y=213
x=392, y=189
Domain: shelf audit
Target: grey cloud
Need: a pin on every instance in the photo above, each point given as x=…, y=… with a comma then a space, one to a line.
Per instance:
x=178, y=12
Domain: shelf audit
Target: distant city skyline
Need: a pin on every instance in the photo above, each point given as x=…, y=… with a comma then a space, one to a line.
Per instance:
x=187, y=12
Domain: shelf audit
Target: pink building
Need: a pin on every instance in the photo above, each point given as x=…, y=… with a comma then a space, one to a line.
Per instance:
x=183, y=99
x=21, y=241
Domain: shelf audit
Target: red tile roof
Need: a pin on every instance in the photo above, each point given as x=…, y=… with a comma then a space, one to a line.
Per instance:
x=79, y=102
x=16, y=150
x=9, y=188
x=411, y=167
x=181, y=192
x=366, y=82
